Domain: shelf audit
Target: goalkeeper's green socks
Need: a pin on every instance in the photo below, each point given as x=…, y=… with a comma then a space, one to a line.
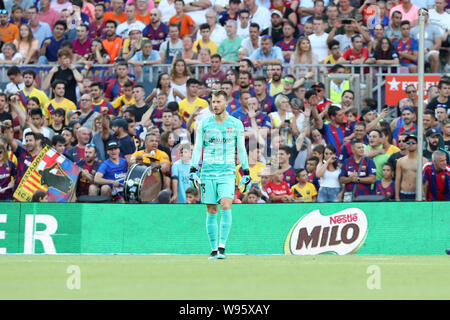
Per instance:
x=212, y=229
x=225, y=227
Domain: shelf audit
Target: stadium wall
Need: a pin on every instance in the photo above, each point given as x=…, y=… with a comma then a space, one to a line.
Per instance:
x=342, y=228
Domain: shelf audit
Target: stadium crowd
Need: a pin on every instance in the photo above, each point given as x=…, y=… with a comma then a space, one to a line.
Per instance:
x=304, y=143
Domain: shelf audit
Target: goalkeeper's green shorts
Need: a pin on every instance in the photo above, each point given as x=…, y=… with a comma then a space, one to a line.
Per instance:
x=212, y=190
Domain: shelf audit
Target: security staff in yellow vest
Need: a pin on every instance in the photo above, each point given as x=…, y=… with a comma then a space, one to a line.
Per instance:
x=338, y=86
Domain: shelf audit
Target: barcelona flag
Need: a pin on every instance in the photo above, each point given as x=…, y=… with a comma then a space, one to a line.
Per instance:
x=52, y=173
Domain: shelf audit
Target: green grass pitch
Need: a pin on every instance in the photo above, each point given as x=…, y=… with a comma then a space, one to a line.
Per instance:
x=238, y=277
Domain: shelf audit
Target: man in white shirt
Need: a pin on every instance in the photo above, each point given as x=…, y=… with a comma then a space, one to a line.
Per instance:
x=439, y=16
x=319, y=39
x=307, y=9
x=244, y=24
x=123, y=28
x=260, y=15
x=252, y=42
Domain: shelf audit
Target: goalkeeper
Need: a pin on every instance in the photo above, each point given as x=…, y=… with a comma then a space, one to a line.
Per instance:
x=216, y=141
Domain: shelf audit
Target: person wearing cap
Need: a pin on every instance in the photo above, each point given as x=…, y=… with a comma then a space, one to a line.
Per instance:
x=275, y=29
x=72, y=116
x=131, y=22
x=323, y=103
x=406, y=171
x=433, y=138
x=120, y=134
x=112, y=172
x=59, y=101
x=436, y=178
x=133, y=44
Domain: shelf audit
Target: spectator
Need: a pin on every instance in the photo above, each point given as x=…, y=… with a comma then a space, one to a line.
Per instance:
x=27, y=45
x=259, y=14
x=318, y=40
x=8, y=175
x=440, y=17
x=328, y=172
x=10, y=55
x=59, y=89
x=229, y=47
x=113, y=86
x=304, y=55
x=433, y=41
x=218, y=33
x=443, y=99
x=408, y=10
x=386, y=185
x=145, y=57
x=30, y=90
x=436, y=178
x=215, y=74
x=98, y=23
x=205, y=40
x=405, y=172
x=393, y=30
x=275, y=29
x=179, y=74
x=50, y=46
x=376, y=152
x=384, y=54
x=82, y=45
x=97, y=55
x=116, y=13
x=357, y=174
x=186, y=25
x=243, y=27
x=355, y=55
x=131, y=22
x=433, y=138
x=352, y=28
x=143, y=9
x=39, y=196
x=67, y=72
x=172, y=48
x=47, y=14
x=232, y=13
x=112, y=172
x=303, y=191
x=41, y=30
x=407, y=48
x=192, y=195
x=277, y=189
x=156, y=30
x=446, y=134
x=180, y=174
x=192, y=100
x=283, y=158
x=112, y=44
x=77, y=152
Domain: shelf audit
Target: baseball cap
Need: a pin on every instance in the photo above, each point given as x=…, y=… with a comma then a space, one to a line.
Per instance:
x=412, y=135
x=276, y=12
x=309, y=94
x=432, y=132
x=408, y=108
x=134, y=28
x=112, y=145
x=318, y=84
x=72, y=112
x=120, y=123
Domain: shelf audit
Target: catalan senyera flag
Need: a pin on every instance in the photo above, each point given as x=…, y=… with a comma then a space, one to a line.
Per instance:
x=50, y=172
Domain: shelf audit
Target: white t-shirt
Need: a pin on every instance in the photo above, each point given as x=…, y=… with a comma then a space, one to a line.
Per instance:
x=243, y=33
x=330, y=179
x=17, y=55
x=46, y=132
x=199, y=15
x=442, y=20
x=262, y=18
x=247, y=44
x=123, y=28
x=12, y=88
x=319, y=45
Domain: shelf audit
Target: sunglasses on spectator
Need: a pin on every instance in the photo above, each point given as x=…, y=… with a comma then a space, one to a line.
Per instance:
x=401, y=141
x=411, y=91
x=3, y=11
x=318, y=89
x=90, y=145
x=411, y=142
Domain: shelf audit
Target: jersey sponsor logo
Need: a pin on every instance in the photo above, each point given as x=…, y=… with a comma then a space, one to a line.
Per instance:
x=219, y=140
x=341, y=233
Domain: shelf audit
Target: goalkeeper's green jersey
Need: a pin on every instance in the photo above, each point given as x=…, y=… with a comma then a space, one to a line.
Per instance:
x=216, y=145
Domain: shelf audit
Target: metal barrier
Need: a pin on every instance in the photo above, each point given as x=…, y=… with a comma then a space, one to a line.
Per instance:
x=369, y=83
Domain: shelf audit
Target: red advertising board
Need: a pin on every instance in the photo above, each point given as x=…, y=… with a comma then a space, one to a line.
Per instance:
x=396, y=85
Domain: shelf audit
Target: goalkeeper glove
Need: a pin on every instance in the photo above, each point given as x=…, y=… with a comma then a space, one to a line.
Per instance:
x=245, y=181
x=194, y=180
